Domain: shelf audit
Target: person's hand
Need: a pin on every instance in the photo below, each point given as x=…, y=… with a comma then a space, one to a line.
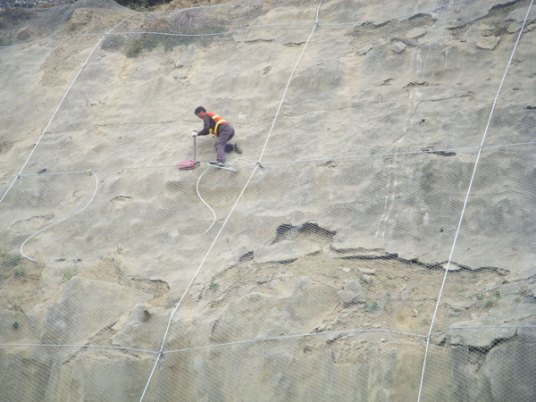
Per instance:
x=194, y=133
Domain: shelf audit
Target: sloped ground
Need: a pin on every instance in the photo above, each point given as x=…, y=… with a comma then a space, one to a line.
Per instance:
x=323, y=281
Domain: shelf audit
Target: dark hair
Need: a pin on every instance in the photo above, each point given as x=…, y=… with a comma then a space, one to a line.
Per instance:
x=199, y=109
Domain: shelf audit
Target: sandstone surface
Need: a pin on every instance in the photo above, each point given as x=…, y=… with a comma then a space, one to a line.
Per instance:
x=376, y=241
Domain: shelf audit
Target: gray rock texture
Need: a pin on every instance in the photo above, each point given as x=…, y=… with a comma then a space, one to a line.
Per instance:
x=376, y=241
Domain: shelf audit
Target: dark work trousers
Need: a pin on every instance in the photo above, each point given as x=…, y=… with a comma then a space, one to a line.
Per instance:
x=226, y=133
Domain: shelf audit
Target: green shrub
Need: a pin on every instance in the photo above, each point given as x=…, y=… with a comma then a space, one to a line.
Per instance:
x=11, y=261
x=69, y=273
x=371, y=306
x=134, y=47
x=213, y=286
x=20, y=273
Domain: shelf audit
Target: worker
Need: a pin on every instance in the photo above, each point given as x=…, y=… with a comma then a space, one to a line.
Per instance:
x=221, y=129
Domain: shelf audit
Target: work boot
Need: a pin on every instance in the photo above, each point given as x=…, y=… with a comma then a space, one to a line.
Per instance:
x=237, y=149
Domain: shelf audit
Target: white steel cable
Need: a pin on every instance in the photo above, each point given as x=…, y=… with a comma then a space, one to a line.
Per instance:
x=222, y=33
x=466, y=200
x=511, y=326
x=282, y=162
x=315, y=26
x=21, y=175
x=216, y=238
x=348, y=332
x=96, y=347
x=224, y=225
x=67, y=91
x=358, y=155
x=63, y=219
x=297, y=161
x=204, y=202
x=65, y=173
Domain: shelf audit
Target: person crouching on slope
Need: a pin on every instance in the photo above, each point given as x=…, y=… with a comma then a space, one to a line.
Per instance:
x=221, y=129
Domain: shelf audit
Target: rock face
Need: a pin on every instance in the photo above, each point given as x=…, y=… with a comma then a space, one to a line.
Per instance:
x=375, y=242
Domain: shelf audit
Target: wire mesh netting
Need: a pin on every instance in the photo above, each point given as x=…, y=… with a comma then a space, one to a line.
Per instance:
x=372, y=242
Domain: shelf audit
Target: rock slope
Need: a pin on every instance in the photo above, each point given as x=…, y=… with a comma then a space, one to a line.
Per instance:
x=316, y=271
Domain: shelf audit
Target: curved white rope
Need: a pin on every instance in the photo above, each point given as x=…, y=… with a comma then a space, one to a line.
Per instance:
x=224, y=225
x=254, y=171
x=204, y=202
x=193, y=279
x=466, y=201
x=63, y=219
x=67, y=91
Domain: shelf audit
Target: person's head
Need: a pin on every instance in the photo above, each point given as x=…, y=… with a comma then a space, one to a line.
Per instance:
x=200, y=112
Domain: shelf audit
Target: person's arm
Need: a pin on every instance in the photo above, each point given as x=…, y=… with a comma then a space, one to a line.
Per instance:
x=206, y=126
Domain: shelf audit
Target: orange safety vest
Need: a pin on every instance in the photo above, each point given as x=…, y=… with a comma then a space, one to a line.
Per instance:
x=218, y=120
